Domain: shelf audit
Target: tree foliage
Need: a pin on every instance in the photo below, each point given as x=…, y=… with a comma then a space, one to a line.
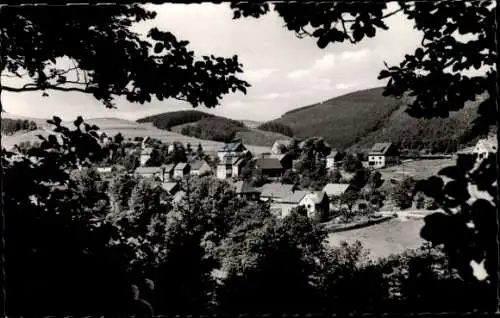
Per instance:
x=214, y=128
x=106, y=59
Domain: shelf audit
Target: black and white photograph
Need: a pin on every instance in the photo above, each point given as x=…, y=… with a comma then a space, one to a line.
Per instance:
x=249, y=158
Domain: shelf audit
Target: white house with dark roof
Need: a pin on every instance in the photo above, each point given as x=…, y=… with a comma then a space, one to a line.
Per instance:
x=229, y=167
x=270, y=167
x=383, y=154
x=181, y=170
x=232, y=149
x=485, y=147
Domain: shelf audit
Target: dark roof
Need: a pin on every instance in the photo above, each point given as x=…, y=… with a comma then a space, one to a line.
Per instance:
x=380, y=148
x=232, y=146
x=268, y=163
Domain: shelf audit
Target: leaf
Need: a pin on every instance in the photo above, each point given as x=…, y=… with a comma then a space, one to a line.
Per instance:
x=78, y=121
x=419, y=53
x=158, y=47
x=452, y=172
x=323, y=42
x=431, y=187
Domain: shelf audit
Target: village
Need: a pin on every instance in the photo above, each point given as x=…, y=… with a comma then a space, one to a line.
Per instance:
x=343, y=194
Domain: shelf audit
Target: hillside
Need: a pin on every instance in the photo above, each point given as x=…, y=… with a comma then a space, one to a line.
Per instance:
x=359, y=119
x=129, y=129
x=170, y=119
x=212, y=127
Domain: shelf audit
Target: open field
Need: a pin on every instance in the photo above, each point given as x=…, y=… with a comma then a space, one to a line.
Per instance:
x=130, y=129
x=417, y=169
x=384, y=239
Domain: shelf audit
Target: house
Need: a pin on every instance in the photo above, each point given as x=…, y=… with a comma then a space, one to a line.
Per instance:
x=485, y=147
x=282, y=207
x=171, y=187
x=336, y=189
x=295, y=164
x=232, y=149
x=280, y=146
x=150, y=172
x=244, y=190
x=275, y=190
x=181, y=170
x=270, y=167
x=317, y=205
x=285, y=160
x=332, y=162
x=145, y=154
x=168, y=171
x=230, y=167
x=383, y=154
x=315, y=202
x=199, y=167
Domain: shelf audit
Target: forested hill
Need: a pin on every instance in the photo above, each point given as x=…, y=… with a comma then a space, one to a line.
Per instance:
x=359, y=119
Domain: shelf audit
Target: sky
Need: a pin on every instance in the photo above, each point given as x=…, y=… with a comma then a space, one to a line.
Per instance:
x=285, y=72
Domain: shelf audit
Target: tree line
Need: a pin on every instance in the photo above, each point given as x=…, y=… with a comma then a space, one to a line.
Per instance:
x=10, y=126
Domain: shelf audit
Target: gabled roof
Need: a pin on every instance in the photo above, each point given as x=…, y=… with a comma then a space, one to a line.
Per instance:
x=293, y=197
x=276, y=190
x=380, y=148
x=168, y=167
x=169, y=186
x=316, y=196
x=242, y=187
x=268, y=163
x=197, y=164
x=232, y=146
x=335, y=188
x=181, y=166
x=148, y=170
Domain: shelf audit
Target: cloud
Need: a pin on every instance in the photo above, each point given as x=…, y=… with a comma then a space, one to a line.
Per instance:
x=258, y=75
x=299, y=74
x=272, y=96
x=324, y=63
x=355, y=56
x=343, y=86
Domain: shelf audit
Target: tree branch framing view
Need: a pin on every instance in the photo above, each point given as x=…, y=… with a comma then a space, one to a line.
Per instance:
x=189, y=212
